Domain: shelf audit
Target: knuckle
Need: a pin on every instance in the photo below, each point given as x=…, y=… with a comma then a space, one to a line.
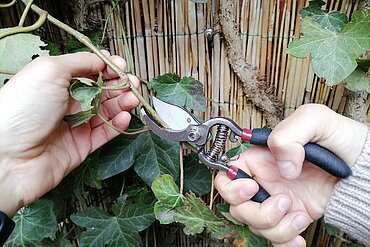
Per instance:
x=312, y=109
x=276, y=141
x=268, y=221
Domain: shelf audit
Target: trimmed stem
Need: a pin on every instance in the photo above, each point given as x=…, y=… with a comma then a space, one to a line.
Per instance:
x=181, y=169
x=6, y=5
x=87, y=42
x=212, y=189
x=4, y=72
x=24, y=14
x=36, y=25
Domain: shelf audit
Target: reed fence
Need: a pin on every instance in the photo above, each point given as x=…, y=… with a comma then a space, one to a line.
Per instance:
x=184, y=37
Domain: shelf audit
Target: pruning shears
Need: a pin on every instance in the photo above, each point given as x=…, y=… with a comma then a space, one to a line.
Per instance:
x=183, y=126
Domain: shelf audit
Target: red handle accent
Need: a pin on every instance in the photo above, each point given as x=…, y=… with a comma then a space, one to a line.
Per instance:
x=246, y=135
x=232, y=172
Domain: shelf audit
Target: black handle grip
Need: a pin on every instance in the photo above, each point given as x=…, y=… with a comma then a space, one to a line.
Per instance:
x=314, y=153
x=261, y=195
x=6, y=228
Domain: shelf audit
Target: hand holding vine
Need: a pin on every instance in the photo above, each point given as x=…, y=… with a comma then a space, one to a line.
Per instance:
x=37, y=148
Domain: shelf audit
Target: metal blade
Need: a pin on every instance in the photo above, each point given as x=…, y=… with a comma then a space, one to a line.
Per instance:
x=169, y=134
x=177, y=118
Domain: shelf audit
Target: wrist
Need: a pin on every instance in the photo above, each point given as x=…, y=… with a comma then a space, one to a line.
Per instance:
x=10, y=202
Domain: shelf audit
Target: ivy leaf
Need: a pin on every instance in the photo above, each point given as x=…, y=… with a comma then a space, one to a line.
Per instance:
x=238, y=150
x=313, y=8
x=186, y=92
x=34, y=223
x=17, y=50
x=150, y=154
x=256, y=241
x=95, y=37
x=333, y=54
x=333, y=20
x=196, y=215
x=79, y=118
x=121, y=229
x=358, y=81
x=86, y=174
x=331, y=230
x=166, y=191
x=197, y=177
x=84, y=93
x=169, y=197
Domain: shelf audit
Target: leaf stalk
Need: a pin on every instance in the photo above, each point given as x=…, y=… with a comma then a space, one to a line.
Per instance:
x=36, y=25
x=24, y=14
x=6, y=5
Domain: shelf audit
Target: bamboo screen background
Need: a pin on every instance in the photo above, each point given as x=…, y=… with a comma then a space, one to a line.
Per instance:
x=172, y=36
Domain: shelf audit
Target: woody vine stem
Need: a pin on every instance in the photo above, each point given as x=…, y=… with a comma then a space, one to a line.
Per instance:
x=125, y=82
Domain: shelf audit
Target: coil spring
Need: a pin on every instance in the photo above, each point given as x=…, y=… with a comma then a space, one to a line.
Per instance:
x=219, y=143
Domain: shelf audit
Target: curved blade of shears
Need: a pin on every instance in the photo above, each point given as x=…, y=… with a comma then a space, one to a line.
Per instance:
x=177, y=118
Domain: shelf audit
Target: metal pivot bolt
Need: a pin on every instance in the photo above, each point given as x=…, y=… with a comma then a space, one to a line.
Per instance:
x=194, y=135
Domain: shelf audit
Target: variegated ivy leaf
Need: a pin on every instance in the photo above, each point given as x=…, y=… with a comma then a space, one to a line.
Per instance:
x=169, y=197
x=333, y=53
x=17, y=50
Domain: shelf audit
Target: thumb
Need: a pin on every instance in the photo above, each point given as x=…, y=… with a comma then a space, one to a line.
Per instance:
x=314, y=123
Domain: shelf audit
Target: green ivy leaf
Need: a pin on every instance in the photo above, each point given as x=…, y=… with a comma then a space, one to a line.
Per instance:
x=34, y=223
x=353, y=245
x=186, y=92
x=94, y=35
x=121, y=229
x=331, y=230
x=150, y=154
x=53, y=49
x=196, y=215
x=256, y=241
x=313, y=8
x=17, y=50
x=84, y=93
x=166, y=191
x=238, y=150
x=197, y=177
x=358, y=81
x=79, y=118
x=169, y=197
x=86, y=174
x=333, y=54
x=333, y=20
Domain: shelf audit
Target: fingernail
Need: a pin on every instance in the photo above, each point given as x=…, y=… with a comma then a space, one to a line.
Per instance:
x=300, y=222
x=283, y=204
x=287, y=169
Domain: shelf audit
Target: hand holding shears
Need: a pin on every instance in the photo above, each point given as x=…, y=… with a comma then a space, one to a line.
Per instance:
x=184, y=127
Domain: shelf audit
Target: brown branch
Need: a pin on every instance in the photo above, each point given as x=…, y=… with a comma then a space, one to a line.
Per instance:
x=256, y=90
